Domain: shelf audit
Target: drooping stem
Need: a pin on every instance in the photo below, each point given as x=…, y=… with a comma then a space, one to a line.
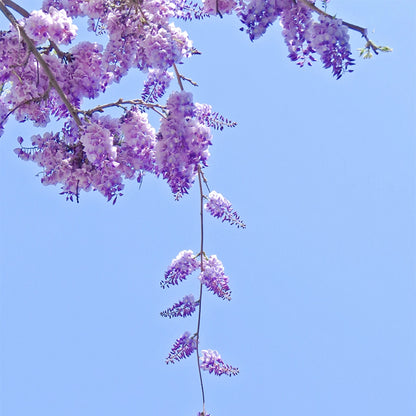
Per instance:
x=42, y=62
x=201, y=195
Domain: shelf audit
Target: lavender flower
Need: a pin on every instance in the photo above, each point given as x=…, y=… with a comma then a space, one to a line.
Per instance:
x=182, y=348
x=182, y=143
x=214, y=279
x=220, y=207
x=98, y=143
x=330, y=39
x=55, y=25
x=181, y=267
x=295, y=22
x=205, y=115
x=211, y=361
x=185, y=307
x=258, y=15
x=155, y=85
x=136, y=152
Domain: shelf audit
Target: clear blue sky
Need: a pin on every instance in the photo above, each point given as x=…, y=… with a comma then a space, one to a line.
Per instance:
x=322, y=321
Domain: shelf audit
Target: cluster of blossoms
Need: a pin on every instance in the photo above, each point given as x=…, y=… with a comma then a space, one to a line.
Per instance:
x=93, y=152
x=304, y=36
x=220, y=207
x=213, y=278
x=40, y=81
x=182, y=143
x=211, y=361
x=96, y=155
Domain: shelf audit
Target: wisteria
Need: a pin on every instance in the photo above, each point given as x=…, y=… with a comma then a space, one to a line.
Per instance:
x=54, y=25
x=183, y=347
x=295, y=22
x=41, y=81
x=211, y=361
x=330, y=39
x=181, y=267
x=213, y=277
x=156, y=84
x=48, y=74
x=220, y=207
x=182, y=143
x=185, y=307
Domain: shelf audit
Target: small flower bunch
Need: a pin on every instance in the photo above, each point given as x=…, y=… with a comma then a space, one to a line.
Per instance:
x=212, y=276
x=220, y=207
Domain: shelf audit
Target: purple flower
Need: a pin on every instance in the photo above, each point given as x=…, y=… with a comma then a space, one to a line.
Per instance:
x=295, y=22
x=205, y=115
x=181, y=267
x=220, y=207
x=214, y=279
x=55, y=25
x=330, y=39
x=258, y=15
x=183, y=308
x=182, y=143
x=211, y=361
x=137, y=151
x=98, y=143
x=155, y=85
x=182, y=348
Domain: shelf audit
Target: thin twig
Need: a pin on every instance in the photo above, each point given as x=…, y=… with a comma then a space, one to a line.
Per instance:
x=119, y=103
x=189, y=80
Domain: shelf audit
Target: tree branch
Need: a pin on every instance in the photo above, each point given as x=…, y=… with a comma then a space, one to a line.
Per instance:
x=16, y=7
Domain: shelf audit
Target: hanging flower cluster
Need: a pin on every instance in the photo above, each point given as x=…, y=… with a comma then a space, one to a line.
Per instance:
x=42, y=82
x=213, y=278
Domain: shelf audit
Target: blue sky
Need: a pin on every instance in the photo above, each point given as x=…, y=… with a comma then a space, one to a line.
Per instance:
x=322, y=320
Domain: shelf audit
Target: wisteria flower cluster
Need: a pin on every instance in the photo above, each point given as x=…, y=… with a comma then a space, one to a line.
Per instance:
x=211, y=361
x=220, y=207
x=182, y=143
x=40, y=81
x=47, y=74
x=212, y=276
